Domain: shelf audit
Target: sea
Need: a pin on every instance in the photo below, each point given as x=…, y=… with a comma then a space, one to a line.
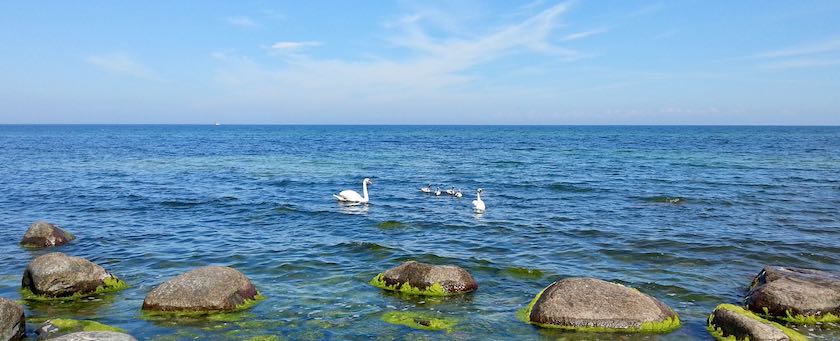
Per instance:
x=686, y=214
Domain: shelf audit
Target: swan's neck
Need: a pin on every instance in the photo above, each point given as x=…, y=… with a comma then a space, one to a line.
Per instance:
x=478, y=196
x=364, y=190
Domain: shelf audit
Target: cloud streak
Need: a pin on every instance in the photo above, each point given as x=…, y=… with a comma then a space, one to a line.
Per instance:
x=435, y=68
x=122, y=64
x=813, y=55
x=242, y=21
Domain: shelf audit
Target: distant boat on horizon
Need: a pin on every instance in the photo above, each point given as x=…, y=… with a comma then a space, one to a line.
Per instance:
x=217, y=123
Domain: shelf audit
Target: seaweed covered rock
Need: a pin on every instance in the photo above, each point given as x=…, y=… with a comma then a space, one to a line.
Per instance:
x=732, y=322
x=12, y=320
x=57, y=327
x=588, y=304
x=206, y=289
x=796, y=295
x=425, y=279
x=56, y=275
x=95, y=336
x=44, y=234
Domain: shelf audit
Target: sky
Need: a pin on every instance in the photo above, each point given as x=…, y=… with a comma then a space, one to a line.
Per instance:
x=420, y=62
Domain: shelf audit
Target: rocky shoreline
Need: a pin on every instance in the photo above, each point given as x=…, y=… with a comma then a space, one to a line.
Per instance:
x=778, y=297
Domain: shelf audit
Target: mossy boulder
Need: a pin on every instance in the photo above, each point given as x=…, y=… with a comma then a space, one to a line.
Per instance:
x=56, y=327
x=206, y=289
x=97, y=336
x=44, y=234
x=731, y=322
x=589, y=304
x=796, y=295
x=425, y=279
x=56, y=275
x=12, y=320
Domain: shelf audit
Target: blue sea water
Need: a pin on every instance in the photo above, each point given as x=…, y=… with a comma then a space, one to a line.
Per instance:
x=686, y=214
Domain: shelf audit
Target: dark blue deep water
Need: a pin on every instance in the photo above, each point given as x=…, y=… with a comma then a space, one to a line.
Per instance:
x=686, y=214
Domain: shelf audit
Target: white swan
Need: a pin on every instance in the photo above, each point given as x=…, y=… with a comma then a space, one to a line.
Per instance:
x=354, y=197
x=451, y=191
x=426, y=189
x=458, y=193
x=478, y=204
x=437, y=192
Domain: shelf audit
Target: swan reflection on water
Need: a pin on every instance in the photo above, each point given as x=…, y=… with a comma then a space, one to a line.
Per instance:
x=353, y=207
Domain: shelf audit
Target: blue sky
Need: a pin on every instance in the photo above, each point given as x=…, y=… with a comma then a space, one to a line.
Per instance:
x=421, y=62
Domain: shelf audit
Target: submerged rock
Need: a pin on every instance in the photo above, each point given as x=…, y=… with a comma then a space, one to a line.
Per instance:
x=95, y=336
x=56, y=275
x=44, y=234
x=206, y=289
x=420, y=320
x=424, y=279
x=56, y=327
x=796, y=295
x=12, y=320
x=588, y=304
x=729, y=321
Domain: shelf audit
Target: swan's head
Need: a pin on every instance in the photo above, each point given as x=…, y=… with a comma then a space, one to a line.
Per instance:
x=368, y=181
x=479, y=190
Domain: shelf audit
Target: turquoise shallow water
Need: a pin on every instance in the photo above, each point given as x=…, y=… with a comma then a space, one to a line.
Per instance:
x=686, y=214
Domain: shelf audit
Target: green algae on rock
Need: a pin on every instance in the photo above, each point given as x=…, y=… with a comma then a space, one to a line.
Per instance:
x=203, y=290
x=236, y=314
x=592, y=305
x=416, y=278
x=731, y=322
x=417, y=320
x=109, y=285
x=796, y=295
x=524, y=273
x=56, y=275
x=70, y=325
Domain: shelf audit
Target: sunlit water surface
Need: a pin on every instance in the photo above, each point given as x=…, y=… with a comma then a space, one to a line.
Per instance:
x=686, y=214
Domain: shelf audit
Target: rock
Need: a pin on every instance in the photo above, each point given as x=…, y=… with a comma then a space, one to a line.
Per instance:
x=56, y=327
x=732, y=321
x=589, y=304
x=797, y=295
x=95, y=336
x=12, y=320
x=56, y=275
x=44, y=234
x=207, y=289
x=425, y=279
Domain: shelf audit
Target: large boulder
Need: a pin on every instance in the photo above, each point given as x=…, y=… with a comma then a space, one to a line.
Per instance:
x=44, y=234
x=207, y=289
x=95, y=336
x=56, y=275
x=797, y=295
x=12, y=320
x=729, y=321
x=425, y=279
x=589, y=304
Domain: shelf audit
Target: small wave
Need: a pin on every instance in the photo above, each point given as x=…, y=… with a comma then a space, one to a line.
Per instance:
x=187, y=203
x=390, y=224
x=567, y=187
x=665, y=200
x=525, y=273
x=285, y=209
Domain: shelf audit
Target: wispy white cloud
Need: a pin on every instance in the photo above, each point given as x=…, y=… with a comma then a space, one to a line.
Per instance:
x=122, y=63
x=242, y=21
x=434, y=67
x=803, y=50
x=820, y=54
x=583, y=34
x=294, y=45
